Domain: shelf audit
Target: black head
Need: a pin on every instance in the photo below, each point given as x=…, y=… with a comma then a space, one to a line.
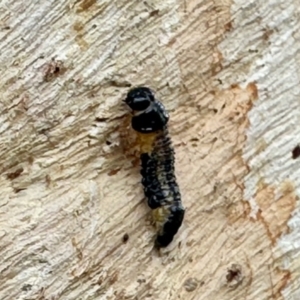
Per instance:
x=139, y=98
x=153, y=119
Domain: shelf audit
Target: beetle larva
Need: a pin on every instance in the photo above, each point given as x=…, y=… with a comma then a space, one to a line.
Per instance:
x=150, y=120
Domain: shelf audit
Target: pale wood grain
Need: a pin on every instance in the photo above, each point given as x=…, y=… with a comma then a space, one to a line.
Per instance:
x=70, y=184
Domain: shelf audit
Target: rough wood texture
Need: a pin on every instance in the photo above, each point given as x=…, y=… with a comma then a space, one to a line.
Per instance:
x=73, y=221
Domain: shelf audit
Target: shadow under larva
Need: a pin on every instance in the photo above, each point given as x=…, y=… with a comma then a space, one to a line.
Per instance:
x=149, y=120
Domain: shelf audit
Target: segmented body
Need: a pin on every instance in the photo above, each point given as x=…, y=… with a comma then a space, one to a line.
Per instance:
x=161, y=188
x=157, y=167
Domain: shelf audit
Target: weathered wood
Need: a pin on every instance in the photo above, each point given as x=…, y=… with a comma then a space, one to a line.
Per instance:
x=73, y=221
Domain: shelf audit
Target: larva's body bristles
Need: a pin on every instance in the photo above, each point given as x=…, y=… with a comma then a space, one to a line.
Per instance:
x=157, y=163
x=161, y=188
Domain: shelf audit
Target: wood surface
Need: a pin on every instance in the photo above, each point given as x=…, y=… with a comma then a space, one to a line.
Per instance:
x=74, y=223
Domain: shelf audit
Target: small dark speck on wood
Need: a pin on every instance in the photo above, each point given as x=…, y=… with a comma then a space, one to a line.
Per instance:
x=190, y=284
x=97, y=119
x=154, y=13
x=125, y=237
x=26, y=287
x=120, y=84
x=234, y=276
x=296, y=152
x=15, y=174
